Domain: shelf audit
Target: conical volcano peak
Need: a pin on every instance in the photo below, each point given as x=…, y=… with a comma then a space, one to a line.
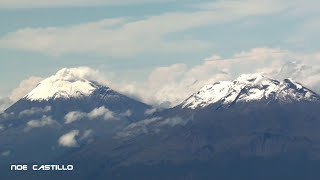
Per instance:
x=250, y=87
x=66, y=83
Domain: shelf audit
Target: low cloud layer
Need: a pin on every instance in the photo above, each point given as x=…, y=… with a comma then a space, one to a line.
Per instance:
x=150, y=111
x=74, y=116
x=34, y=110
x=69, y=139
x=150, y=125
x=97, y=113
x=101, y=112
x=173, y=121
x=86, y=134
x=6, y=153
x=44, y=121
x=168, y=86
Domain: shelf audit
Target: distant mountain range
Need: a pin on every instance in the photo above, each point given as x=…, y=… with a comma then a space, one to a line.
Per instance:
x=60, y=105
x=252, y=127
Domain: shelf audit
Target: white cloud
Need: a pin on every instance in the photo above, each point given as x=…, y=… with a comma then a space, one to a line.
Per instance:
x=1, y=127
x=86, y=134
x=150, y=111
x=103, y=112
x=100, y=112
x=69, y=3
x=128, y=113
x=82, y=72
x=150, y=125
x=35, y=110
x=6, y=153
x=248, y=7
x=137, y=127
x=69, y=139
x=173, y=121
x=5, y=102
x=114, y=37
x=25, y=87
x=306, y=74
x=74, y=116
x=171, y=85
x=275, y=63
x=120, y=37
x=44, y=121
x=7, y=115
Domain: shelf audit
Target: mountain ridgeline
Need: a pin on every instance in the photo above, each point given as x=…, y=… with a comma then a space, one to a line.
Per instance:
x=33, y=128
x=252, y=127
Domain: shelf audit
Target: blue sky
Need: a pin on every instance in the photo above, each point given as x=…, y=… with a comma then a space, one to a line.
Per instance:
x=133, y=40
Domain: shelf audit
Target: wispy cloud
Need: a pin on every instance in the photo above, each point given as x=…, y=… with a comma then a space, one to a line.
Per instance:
x=138, y=127
x=1, y=127
x=6, y=153
x=44, y=121
x=150, y=125
x=173, y=121
x=86, y=134
x=70, y=3
x=170, y=85
x=35, y=110
x=150, y=111
x=121, y=37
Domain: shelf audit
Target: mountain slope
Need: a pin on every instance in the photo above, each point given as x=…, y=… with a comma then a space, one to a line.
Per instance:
x=244, y=138
x=67, y=91
x=65, y=111
x=250, y=87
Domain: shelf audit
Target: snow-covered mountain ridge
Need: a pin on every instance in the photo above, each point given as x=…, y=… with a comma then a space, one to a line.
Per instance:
x=64, y=84
x=249, y=87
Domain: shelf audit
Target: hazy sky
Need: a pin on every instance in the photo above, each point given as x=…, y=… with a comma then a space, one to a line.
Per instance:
x=166, y=47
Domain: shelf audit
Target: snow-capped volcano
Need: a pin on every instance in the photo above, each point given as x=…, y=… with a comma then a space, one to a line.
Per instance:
x=71, y=101
x=76, y=89
x=64, y=84
x=249, y=87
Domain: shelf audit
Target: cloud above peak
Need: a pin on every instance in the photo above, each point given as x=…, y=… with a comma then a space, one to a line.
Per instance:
x=76, y=73
x=169, y=85
x=66, y=83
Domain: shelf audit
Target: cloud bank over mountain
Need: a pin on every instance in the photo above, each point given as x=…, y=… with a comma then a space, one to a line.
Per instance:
x=170, y=85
